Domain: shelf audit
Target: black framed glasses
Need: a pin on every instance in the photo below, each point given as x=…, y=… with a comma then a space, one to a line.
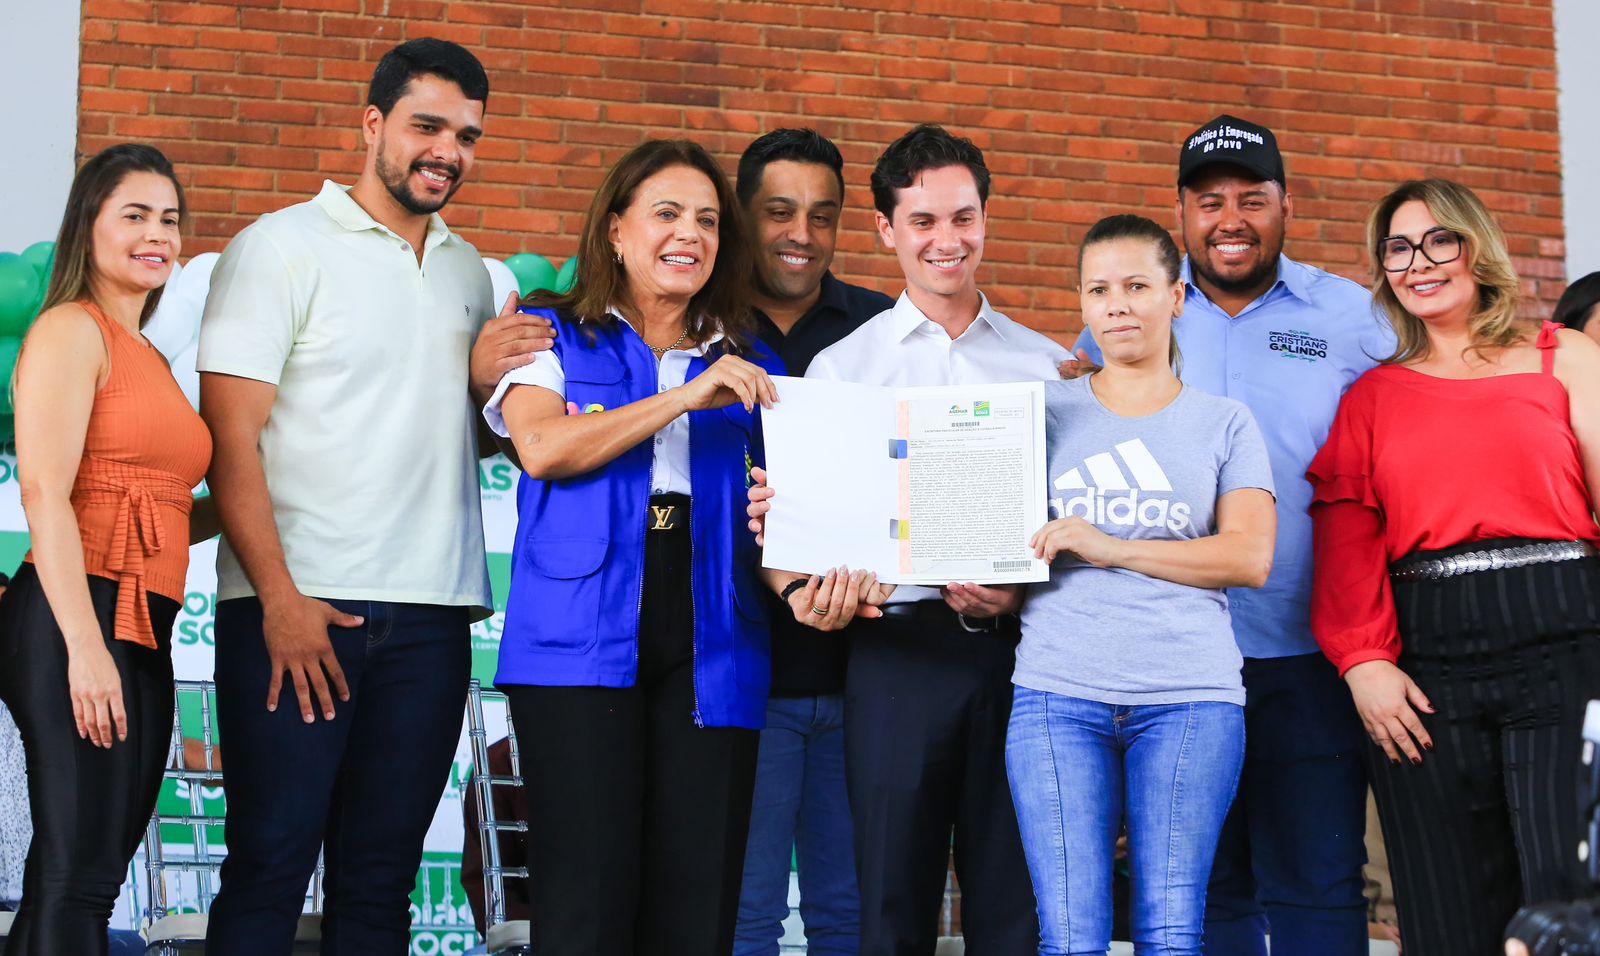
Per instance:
x=1439, y=245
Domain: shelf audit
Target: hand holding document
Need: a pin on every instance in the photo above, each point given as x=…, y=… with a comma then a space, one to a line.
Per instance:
x=924, y=485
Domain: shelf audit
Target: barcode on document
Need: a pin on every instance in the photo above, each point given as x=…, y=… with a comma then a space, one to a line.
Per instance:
x=999, y=566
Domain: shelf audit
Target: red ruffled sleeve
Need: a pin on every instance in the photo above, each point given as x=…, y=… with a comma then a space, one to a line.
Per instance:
x=1352, y=607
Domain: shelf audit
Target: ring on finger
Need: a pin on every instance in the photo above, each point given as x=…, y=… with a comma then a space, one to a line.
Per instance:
x=819, y=611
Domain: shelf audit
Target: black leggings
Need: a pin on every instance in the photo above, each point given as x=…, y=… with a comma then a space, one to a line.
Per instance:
x=1489, y=820
x=90, y=805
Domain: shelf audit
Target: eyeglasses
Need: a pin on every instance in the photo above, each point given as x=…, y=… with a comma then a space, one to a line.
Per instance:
x=1439, y=245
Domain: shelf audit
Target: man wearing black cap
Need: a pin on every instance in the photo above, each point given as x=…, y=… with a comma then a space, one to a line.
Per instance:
x=1286, y=339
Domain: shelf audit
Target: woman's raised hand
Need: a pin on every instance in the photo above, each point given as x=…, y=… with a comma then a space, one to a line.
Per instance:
x=730, y=379
x=1077, y=537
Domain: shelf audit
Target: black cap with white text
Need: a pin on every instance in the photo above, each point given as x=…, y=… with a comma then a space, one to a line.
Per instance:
x=1234, y=142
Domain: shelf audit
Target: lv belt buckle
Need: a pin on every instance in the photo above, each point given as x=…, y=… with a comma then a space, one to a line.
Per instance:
x=663, y=517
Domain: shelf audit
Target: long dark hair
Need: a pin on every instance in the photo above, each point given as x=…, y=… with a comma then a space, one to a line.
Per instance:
x=94, y=184
x=1128, y=226
x=722, y=305
x=1577, y=305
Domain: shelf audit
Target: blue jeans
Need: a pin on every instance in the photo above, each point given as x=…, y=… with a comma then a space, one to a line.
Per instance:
x=801, y=805
x=1291, y=852
x=362, y=787
x=1079, y=770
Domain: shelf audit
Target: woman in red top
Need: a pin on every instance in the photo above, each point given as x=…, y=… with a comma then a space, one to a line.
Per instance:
x=1457, y=584
x=108, y=449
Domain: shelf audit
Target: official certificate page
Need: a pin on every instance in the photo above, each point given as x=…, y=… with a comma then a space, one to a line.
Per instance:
x=924, y=485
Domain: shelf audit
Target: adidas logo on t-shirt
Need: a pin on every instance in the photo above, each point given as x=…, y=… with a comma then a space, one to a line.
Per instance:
x=1108, y=498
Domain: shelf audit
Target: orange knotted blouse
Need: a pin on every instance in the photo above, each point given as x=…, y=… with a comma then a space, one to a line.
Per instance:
x=145, y=450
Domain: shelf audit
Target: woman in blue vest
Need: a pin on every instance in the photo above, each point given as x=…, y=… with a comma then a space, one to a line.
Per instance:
x=635, y=649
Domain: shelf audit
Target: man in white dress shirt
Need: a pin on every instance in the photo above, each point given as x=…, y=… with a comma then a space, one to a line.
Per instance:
x=928, y=690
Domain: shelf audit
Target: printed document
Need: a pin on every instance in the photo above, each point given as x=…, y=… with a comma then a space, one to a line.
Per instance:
x=923, y=485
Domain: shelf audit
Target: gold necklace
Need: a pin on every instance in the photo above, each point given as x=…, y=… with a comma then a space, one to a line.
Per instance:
x=661, y=353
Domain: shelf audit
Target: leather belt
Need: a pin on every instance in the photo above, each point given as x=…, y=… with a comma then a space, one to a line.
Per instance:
x=1492, y=559
x=937, y=613
x=668, y=512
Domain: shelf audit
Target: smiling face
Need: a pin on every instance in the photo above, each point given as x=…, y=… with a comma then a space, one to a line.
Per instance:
x=795, y=219
x=1233, y=229
x=937, y=233
x=667, y=236
x=1437, y=294
x=135, y=240
x=423, y=150
x=1128, y=302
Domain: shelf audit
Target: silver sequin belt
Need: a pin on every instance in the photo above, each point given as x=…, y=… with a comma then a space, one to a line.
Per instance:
x=1545, y=552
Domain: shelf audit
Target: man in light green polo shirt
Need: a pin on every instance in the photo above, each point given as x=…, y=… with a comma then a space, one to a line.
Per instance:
x=334, y=360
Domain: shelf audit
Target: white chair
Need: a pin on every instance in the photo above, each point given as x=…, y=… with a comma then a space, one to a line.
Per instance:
x=183, y=881
x=502, y=937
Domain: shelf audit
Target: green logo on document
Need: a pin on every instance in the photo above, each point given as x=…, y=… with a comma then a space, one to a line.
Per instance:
x=980, y=409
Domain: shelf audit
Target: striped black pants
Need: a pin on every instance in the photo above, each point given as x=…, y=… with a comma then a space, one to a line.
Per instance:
x=1489, y=820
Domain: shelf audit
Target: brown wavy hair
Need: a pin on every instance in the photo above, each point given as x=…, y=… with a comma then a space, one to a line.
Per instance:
x=1494, y=323
x=721, y=305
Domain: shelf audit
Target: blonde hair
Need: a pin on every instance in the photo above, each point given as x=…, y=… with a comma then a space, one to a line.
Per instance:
x=1494, y=323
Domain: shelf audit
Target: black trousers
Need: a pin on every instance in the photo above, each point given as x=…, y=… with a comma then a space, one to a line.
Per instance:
x=926, y=709
x=1489, y=820
x=637, y=818
x=90, y=805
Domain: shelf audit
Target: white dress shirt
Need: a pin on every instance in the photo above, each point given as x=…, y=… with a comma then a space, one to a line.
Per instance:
x=904, y=347
x=669, y=470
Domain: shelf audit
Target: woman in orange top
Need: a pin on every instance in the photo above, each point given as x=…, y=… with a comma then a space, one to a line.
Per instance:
x=108, y=449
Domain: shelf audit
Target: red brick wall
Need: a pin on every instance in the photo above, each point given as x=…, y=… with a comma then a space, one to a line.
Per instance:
x=1079, y=104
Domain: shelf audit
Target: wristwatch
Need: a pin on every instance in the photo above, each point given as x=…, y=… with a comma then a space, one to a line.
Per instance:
x=791, y=587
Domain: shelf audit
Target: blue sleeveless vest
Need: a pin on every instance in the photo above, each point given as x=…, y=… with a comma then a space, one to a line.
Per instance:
x=577, y=578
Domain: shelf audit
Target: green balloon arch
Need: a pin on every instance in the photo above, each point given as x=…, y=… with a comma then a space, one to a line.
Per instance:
x=23, y=281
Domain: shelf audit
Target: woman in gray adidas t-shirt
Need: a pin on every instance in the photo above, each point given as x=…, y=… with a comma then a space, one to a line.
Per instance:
x=1129, y=706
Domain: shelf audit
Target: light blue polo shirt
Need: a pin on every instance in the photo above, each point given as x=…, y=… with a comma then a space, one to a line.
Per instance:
x=1289, y=356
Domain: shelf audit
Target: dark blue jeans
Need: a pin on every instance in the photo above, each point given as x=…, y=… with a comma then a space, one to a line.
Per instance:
x=363, y=787
x=800, y=806
x=1291, y=852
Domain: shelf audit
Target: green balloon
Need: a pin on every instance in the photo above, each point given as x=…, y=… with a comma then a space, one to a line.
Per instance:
x=40, y=255
x=9, y=347
x=19, y=294
x=533, y=272
x=567, y=276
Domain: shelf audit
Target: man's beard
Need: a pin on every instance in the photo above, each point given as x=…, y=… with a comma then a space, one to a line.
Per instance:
x=397, y=182
x=1253, y=279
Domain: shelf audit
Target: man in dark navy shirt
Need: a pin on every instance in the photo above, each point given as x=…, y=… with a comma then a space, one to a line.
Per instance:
x=791, y=185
